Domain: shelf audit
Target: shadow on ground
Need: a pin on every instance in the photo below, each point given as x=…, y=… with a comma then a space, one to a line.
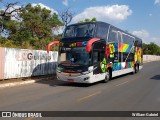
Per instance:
x=52, y=81
x=156, y=77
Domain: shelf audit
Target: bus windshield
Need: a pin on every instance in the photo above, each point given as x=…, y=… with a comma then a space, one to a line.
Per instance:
x=74, y=56
x=82, y=30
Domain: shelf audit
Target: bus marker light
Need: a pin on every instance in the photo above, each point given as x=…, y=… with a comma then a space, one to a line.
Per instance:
x=85, y=43
x=79, y=44
x=72, y=45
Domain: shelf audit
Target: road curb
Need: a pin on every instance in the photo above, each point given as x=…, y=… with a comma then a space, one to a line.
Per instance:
x=5, y=85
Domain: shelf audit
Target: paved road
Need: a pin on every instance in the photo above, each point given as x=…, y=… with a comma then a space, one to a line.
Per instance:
x=139, y=92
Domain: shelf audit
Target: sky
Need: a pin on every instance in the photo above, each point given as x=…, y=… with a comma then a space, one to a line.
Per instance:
x=139, y=17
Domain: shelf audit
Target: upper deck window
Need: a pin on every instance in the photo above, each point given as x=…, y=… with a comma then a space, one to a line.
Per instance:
x=128, y=39
x=81, y=30
x=113, y=36
x=138, y=43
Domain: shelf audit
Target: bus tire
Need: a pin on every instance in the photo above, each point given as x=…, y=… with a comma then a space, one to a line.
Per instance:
x=107, y=76
x=135, y=69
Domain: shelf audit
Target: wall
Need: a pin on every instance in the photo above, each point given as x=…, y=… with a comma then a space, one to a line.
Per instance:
x=149, y=58
x=17, y=63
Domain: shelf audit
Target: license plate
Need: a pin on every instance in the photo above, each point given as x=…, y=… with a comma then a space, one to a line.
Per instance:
x=70, y=80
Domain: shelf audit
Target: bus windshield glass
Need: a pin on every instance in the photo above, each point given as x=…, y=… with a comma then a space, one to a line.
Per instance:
x=74, y=56
x=82, y=30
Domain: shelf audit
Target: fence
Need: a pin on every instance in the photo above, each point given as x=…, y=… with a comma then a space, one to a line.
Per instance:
x=17, y=63
x=149, y=58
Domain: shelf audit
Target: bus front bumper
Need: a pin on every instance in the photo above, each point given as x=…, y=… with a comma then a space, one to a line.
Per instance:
x=77, y=79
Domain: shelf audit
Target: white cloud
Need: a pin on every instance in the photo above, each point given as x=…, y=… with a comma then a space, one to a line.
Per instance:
x=156, y=40
x=44, y=6
x=58, y=30
x=143, y=34
x=146, y=37
x=150, y=15
x=157, y=2
x=65, y=2
x=111, y=14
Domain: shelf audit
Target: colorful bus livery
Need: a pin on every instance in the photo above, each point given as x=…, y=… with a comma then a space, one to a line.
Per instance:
x=95, y=51
x=130, y=54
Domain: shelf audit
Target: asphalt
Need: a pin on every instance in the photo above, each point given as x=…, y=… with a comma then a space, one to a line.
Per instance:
x=138, y=92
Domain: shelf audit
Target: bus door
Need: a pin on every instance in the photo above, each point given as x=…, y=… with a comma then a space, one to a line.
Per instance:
x=98, y=58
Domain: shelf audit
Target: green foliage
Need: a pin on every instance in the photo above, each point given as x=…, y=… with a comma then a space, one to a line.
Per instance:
x=2, y=41
x=33, y=30
x=94, y=19
x=88, y=20
x=151, y=49
x=81, y=21
x=6, y=43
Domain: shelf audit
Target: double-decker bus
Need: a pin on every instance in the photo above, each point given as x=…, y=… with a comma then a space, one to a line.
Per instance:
x=97, y=51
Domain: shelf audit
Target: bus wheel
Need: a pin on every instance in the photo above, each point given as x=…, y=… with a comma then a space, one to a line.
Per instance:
x=136, y=69
x=107, y=76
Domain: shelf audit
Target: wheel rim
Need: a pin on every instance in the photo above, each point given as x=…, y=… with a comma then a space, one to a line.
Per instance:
x=107, y=76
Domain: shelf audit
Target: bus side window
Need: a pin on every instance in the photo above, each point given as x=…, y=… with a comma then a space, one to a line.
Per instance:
x=112, y=35
x=131, y=57
x=139, y=43
x=101, y=30
x=124, y=56
x=95, y=57
x=102, y=55
x=136, y=43
x=98, y=56
x=119, y=37
x=127, y=39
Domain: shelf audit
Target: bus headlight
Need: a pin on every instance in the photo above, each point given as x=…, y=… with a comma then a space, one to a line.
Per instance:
x=84, y=73
x=87, y=72
x=58, y=71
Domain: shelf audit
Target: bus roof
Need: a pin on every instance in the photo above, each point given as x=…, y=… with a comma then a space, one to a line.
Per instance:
x=97, y=22
x=100, y=22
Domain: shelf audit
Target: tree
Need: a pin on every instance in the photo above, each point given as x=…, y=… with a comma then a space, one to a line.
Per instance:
x=151, y=49
x=146, y=49
x=94, y=19
x=32, y=30
x=66, y=16
x=5, y=15
x=88, y=20
x=35, y=28
x=154, y=48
